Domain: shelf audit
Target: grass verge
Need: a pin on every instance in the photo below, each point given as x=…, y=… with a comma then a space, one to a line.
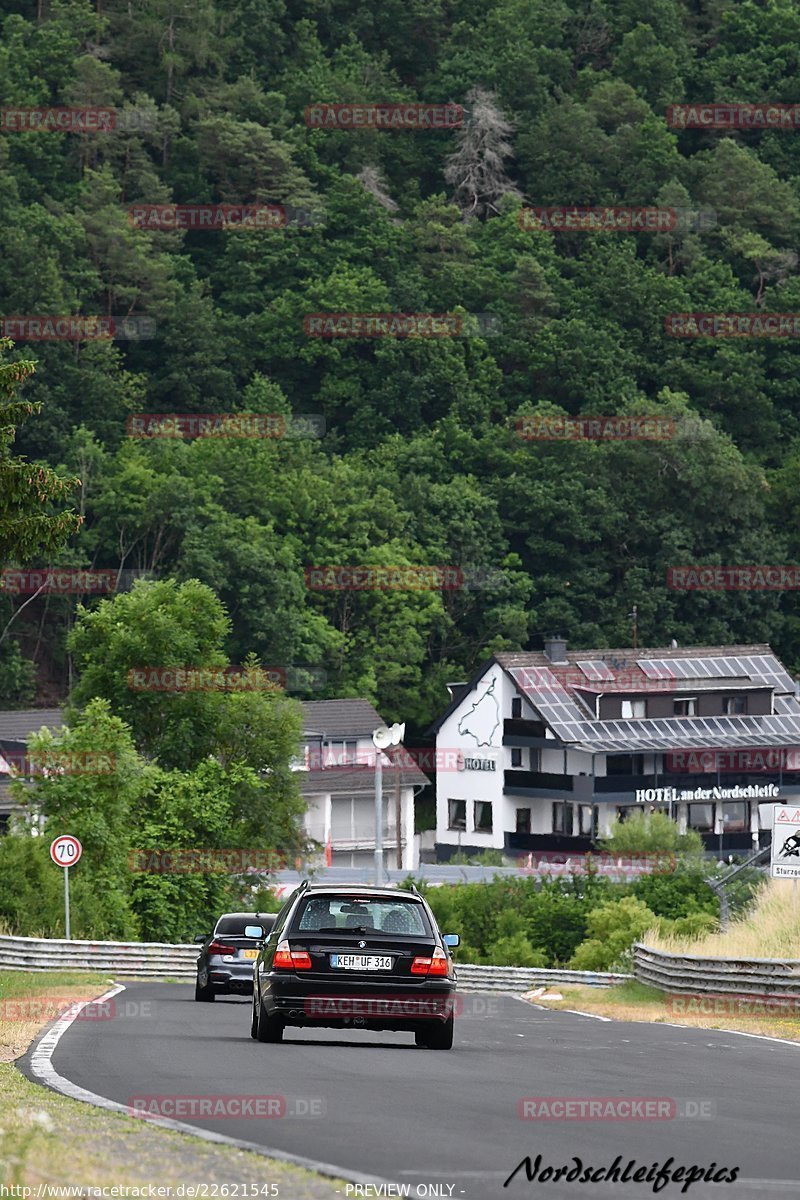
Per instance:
x=771, y=929
x=48, y=1139
x=632, y=1001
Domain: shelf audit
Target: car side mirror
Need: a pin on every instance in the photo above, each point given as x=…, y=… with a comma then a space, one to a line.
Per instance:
x=254, y=931
x=200, y=939
x=451, y=939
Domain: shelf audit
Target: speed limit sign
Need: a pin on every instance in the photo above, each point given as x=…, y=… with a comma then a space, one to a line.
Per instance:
x=65, y=850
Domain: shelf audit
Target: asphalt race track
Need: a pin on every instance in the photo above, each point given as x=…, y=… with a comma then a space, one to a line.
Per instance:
x=447, y=1123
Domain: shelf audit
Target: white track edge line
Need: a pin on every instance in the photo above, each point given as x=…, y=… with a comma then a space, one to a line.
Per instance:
x=762, y=1037
x=42, y=1066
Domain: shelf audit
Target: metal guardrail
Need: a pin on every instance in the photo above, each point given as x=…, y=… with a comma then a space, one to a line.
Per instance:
x=520, y=979
x=678, y=973
x=689, y=974
x=143, y=960
x=138, y=960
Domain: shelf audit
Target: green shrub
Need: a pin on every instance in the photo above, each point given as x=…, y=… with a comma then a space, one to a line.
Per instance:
x=652, y=833
x=612, y=930
x=514, y=951
x=676, y=894
x=694, y=925
x=511, y=947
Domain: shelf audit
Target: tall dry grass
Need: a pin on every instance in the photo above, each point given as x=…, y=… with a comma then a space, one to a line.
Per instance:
x=770, y=930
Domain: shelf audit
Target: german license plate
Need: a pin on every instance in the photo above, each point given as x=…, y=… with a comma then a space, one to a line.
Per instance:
x=250, y=954
x=362, y=962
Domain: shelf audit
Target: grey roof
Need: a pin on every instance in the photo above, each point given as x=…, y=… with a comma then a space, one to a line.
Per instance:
x=358, y=779
x=340, y=718
x=554, y=690
x=555, y=700
x=16, y=725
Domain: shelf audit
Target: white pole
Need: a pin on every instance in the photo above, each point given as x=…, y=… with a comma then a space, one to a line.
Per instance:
x=66, y=901
x=378, y=818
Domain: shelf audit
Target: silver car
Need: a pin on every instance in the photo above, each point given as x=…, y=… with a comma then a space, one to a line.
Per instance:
x=225, y=962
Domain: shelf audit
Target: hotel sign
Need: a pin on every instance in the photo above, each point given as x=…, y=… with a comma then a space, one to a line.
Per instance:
x=476, y=764
x=764, y=791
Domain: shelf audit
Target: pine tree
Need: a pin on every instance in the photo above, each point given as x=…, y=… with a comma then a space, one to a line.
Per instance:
x=27, y=527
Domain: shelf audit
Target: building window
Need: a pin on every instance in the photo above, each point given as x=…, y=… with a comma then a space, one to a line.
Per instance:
x=736, y=816
x=633, y=709
x=458, y=814
x=625, y=764
x=701, y=817
x=685, y=707
x=523, y=820
x=516, y=708
x=587, y=816
x=339, y=753
x=535, y=760
x=516, y=758
x=562, y=818
x=483, y=816
x=734, y=705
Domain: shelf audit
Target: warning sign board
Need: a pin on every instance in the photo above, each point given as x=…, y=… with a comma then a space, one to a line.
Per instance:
x=785, y=858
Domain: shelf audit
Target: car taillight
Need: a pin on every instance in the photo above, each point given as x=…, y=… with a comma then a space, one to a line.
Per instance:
x=435, y=965
x=287, y=959
x=220, y=948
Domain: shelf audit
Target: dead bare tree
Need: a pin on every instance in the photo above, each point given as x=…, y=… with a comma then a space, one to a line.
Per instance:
x=476, y=168
x=372, y=181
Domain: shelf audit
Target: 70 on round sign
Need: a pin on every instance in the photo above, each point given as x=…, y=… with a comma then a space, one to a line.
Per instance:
x=65, y=850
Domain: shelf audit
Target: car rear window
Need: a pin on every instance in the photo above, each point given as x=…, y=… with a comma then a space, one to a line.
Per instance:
x=382, y=915
x=234, y=926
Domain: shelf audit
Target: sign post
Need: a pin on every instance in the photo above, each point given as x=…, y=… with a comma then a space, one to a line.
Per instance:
x=65, y=852
x=784, y=860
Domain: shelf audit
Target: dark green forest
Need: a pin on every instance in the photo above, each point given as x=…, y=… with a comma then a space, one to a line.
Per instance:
x=421, y=461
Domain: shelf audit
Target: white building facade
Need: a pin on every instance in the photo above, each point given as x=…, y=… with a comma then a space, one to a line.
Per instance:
x=338, y=785
x=543, y=750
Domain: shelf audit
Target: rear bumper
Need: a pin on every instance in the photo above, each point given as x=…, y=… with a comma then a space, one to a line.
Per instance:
x=232, y=978
x=366, y=1004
